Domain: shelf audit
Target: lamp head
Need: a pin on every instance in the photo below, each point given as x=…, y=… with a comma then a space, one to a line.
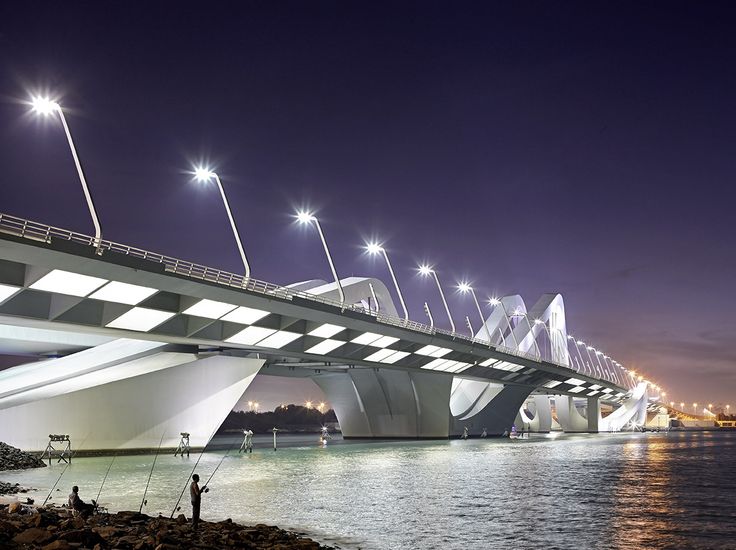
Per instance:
x=203, y=174
x=374, y=248
x=538, y=322
x=464, y=288
x=304, y=217
x=494, y=301
x=44, y=105
x=425, y=270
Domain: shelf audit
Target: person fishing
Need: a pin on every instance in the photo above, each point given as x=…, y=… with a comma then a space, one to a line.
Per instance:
x=196, y=495
x=78, y=505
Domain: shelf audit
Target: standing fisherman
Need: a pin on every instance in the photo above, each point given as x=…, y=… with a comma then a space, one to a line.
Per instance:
x=196, y=495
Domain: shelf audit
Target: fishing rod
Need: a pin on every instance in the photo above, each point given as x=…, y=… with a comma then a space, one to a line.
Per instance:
x=176, y=506
x=58, y=479
x=97, y=500
x=143, y=501
x=219, y=464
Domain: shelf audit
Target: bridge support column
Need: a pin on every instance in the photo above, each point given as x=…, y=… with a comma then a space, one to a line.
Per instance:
x=123, y=404
x=478, y=405
x=568, y=416
x=633, y=410
x=594, y=414
x=385, y=403
x=542, y=420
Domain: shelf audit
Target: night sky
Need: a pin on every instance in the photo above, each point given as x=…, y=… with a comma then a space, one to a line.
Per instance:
x=527, y=147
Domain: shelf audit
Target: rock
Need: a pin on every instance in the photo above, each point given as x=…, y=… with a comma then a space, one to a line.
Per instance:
x=14, y=508
x=34, y=535
x=57, y=545
x=181, y=518
x=12, y=458
x=52, y=529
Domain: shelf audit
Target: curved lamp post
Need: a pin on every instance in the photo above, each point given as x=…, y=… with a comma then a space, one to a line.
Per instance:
x=374, y=249
x=205, y=175
x=426, y=271
x=465, y=288
x=307, y=217
x=45, y=107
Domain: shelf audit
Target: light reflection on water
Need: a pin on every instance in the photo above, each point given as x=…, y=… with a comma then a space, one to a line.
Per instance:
x=584, y=491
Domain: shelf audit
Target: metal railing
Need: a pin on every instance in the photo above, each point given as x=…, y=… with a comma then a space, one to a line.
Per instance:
x=41, y=232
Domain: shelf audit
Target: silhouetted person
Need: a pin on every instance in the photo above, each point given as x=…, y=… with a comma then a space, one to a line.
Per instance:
x=78, y=505
x=196, y=494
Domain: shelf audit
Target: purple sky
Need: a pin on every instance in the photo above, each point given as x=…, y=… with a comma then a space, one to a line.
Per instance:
x=582, y=148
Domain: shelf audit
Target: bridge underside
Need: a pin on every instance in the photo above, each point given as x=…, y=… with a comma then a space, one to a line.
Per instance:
x=152, y=345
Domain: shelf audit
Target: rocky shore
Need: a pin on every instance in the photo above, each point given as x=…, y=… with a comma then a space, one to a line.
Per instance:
x=55, y=529
x=12, y=458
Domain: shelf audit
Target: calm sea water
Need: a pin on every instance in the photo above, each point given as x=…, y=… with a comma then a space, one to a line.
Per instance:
x=586, y=491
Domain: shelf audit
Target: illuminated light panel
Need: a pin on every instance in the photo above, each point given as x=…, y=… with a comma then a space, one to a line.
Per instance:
x=608, y=390
x=489, y=362
x=433, y=351
x=619, y=394
x=245, y=315
x=123, y=293
x=326, y=331
x=384, y=341
x=250, y=335
x=552, y=384
x=279, y=340
x=326, y=346
x=432, y=365
x=6, y=291
x=458, y=367
x=594, y=392
x=366, y=338
x=65, y=282
x=209, y=309
x=574, y=381
x=380, y=355
x=396, y=356
x=141, y=319
x=595, y=387
x=577, y=389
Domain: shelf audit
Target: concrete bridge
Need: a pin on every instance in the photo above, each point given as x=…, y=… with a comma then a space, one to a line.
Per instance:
x=127, y=344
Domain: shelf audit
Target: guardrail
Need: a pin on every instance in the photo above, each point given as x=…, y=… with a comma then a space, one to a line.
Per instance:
x=46, y=233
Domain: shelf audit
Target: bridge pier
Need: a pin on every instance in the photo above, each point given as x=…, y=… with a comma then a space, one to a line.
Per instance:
x=478, y=405
x=570, y=418
x=385, y=403
x=122, y=395
x=632, y=410
x=542, y=420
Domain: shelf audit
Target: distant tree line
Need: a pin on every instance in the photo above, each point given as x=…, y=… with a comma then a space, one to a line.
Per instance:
x=289, y=418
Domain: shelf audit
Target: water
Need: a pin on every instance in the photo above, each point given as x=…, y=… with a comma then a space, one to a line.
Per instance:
x=585, y=491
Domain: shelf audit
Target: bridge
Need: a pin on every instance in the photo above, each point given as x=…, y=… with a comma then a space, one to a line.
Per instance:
x=128, y=344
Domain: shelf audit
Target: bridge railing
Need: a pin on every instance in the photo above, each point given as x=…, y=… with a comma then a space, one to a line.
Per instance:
x=46, y=233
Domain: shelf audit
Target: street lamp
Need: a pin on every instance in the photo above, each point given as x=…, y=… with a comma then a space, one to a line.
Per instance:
x=426, y=271
x=205, y=175
x=374, y=249
x=695, y=408
x=305, y=218
x=44, y=106
x=465, y=288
